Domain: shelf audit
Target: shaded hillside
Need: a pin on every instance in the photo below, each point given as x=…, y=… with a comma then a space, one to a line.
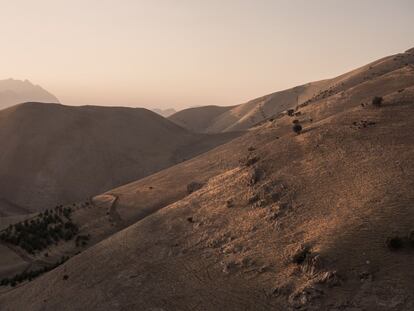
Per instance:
x=272, y=220
x=13, y=92
x=54, y=154
x=244, y=116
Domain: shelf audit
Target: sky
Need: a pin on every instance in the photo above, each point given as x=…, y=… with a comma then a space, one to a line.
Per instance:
x=183, y=53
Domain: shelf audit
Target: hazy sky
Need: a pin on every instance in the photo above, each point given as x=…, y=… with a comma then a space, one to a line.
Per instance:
x=160, y=53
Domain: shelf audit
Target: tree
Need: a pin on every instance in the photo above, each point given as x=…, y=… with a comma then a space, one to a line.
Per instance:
x=297, y=128
x=377, y=101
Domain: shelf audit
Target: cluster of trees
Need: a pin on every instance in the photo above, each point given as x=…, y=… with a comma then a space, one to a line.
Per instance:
x=45, y=229
x=30, y=275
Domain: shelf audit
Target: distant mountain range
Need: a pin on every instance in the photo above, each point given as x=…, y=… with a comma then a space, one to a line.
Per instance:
x=14, y=92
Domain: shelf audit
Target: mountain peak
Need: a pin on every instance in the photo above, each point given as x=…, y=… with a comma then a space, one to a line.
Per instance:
x=14, y=92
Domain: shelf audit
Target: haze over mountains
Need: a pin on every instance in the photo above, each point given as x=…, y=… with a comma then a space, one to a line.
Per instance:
x=13, y=92
x=271, y=220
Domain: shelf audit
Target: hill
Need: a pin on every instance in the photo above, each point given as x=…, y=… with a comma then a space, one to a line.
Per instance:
x=212, y=119
x=272, y=220
x=13, y=92
x=198, y=119
x=164, y=112
x=55, y=154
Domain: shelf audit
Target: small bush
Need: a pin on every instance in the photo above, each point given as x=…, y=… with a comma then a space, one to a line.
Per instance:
x=249, y=161
x=194, y=186
x=297, y=128
x=300, y=255
x=394, y=243
x=291, y=112
x=377, y=101
x=411, y=238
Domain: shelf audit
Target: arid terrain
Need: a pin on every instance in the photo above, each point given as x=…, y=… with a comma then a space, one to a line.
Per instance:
x=55, y=154
x=320, y=218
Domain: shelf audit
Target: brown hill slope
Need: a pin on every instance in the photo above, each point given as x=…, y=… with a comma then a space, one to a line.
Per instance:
x=302, y=225
x=54, y=154
x=13, y=92
x=248, y=114
x=198, y=119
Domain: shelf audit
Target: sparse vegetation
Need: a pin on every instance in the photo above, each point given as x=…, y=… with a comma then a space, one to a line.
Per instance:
x=81, y=240
x=194, y=186
x=30, y=275
x=249, y=161
x=411, y=238
x=46, y=229
x=291, y=112
x=394, y=243
x=229, y=203
x=377, y=101
x=297, y=128
x=300, y=255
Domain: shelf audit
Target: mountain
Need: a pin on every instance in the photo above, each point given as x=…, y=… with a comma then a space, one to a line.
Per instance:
x=214, y=119
x=55, y=154
x=164, y=112
x=14, y=92
x=211, y=119
x=198, y=119
x=272, y=220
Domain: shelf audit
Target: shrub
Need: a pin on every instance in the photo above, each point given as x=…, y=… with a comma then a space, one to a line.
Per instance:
x=194, y=186
x=291, y=112
x=300, y=255
x=377, y=101
x=249, y=161
x=394, y=243
x=411, y=238
x=297, y=128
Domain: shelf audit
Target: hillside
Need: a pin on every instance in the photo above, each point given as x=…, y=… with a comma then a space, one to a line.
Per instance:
x=55, y=154
x=212, y=119
x=164, y=112
x=198, y=119
x=282, y=221
x=13, y=92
